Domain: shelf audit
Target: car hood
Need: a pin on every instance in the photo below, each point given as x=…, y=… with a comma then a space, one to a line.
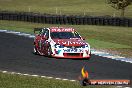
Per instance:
x=70, y=42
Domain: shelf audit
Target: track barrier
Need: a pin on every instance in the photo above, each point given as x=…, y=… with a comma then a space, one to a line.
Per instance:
x=65, y=19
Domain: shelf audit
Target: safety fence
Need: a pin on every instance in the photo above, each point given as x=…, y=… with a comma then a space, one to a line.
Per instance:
x=65, y=19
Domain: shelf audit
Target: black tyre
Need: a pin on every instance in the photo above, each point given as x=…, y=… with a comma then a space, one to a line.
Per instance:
x=35, y=50
x=90, y=54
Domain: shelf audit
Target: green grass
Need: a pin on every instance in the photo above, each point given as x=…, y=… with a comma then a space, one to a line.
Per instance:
x=80, y=7
x=100, y=37
x=103, y=37
x=17, y=81
x=102, y=44
x=97, y=36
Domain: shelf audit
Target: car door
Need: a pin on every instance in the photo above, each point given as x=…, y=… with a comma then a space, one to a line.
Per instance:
x=39, y=39
x=45, y=38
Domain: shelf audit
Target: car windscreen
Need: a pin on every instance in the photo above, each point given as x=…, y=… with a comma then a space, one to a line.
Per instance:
x=64, y=35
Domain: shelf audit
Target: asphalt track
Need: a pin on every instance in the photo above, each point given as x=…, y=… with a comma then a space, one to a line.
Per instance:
x=16, y=55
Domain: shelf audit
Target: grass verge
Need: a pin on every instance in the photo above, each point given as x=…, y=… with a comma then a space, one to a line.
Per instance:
x=100, y=37
x=17, y=81
x=67, y=7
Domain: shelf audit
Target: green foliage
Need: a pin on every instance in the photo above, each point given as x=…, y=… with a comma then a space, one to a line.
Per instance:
x=119, y=4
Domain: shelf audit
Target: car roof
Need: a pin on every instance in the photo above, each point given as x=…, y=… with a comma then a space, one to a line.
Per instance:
x=61, y=29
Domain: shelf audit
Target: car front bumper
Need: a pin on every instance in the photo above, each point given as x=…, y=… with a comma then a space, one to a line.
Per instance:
x=72, y=55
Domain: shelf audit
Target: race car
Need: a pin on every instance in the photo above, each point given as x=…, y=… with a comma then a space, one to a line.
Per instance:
x=60, y=42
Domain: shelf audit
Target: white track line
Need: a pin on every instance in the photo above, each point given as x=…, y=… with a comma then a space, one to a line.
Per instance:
x=13, y=73
x=48, y=77
x=103, y=54
x=93, y=51
x=114, y=57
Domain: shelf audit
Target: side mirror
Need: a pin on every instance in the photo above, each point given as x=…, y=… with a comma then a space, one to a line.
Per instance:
x=83, y=38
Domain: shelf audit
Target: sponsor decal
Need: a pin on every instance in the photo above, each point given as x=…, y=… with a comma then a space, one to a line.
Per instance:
x=73, y=50
x=71, y=43
x=62, y=29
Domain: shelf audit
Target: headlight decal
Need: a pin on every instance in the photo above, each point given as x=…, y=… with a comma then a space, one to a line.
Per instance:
x=85, y=46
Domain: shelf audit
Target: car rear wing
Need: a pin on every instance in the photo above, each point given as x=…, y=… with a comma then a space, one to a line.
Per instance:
x=37, y=29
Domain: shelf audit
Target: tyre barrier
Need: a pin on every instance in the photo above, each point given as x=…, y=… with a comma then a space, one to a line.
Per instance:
x=64, y=19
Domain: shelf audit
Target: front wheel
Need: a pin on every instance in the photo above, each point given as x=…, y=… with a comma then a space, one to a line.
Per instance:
x=35, y=50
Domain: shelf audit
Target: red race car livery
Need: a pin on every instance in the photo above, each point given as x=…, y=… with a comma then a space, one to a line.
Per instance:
x=60, y=42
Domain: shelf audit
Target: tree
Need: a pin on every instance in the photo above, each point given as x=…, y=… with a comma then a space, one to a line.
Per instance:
x=120, y=5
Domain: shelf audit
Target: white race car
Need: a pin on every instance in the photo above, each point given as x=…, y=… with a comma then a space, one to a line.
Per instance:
x=60, y=42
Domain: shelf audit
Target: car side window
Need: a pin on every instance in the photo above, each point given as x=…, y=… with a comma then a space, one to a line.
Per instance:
x=41, y=32
x=47, y=33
